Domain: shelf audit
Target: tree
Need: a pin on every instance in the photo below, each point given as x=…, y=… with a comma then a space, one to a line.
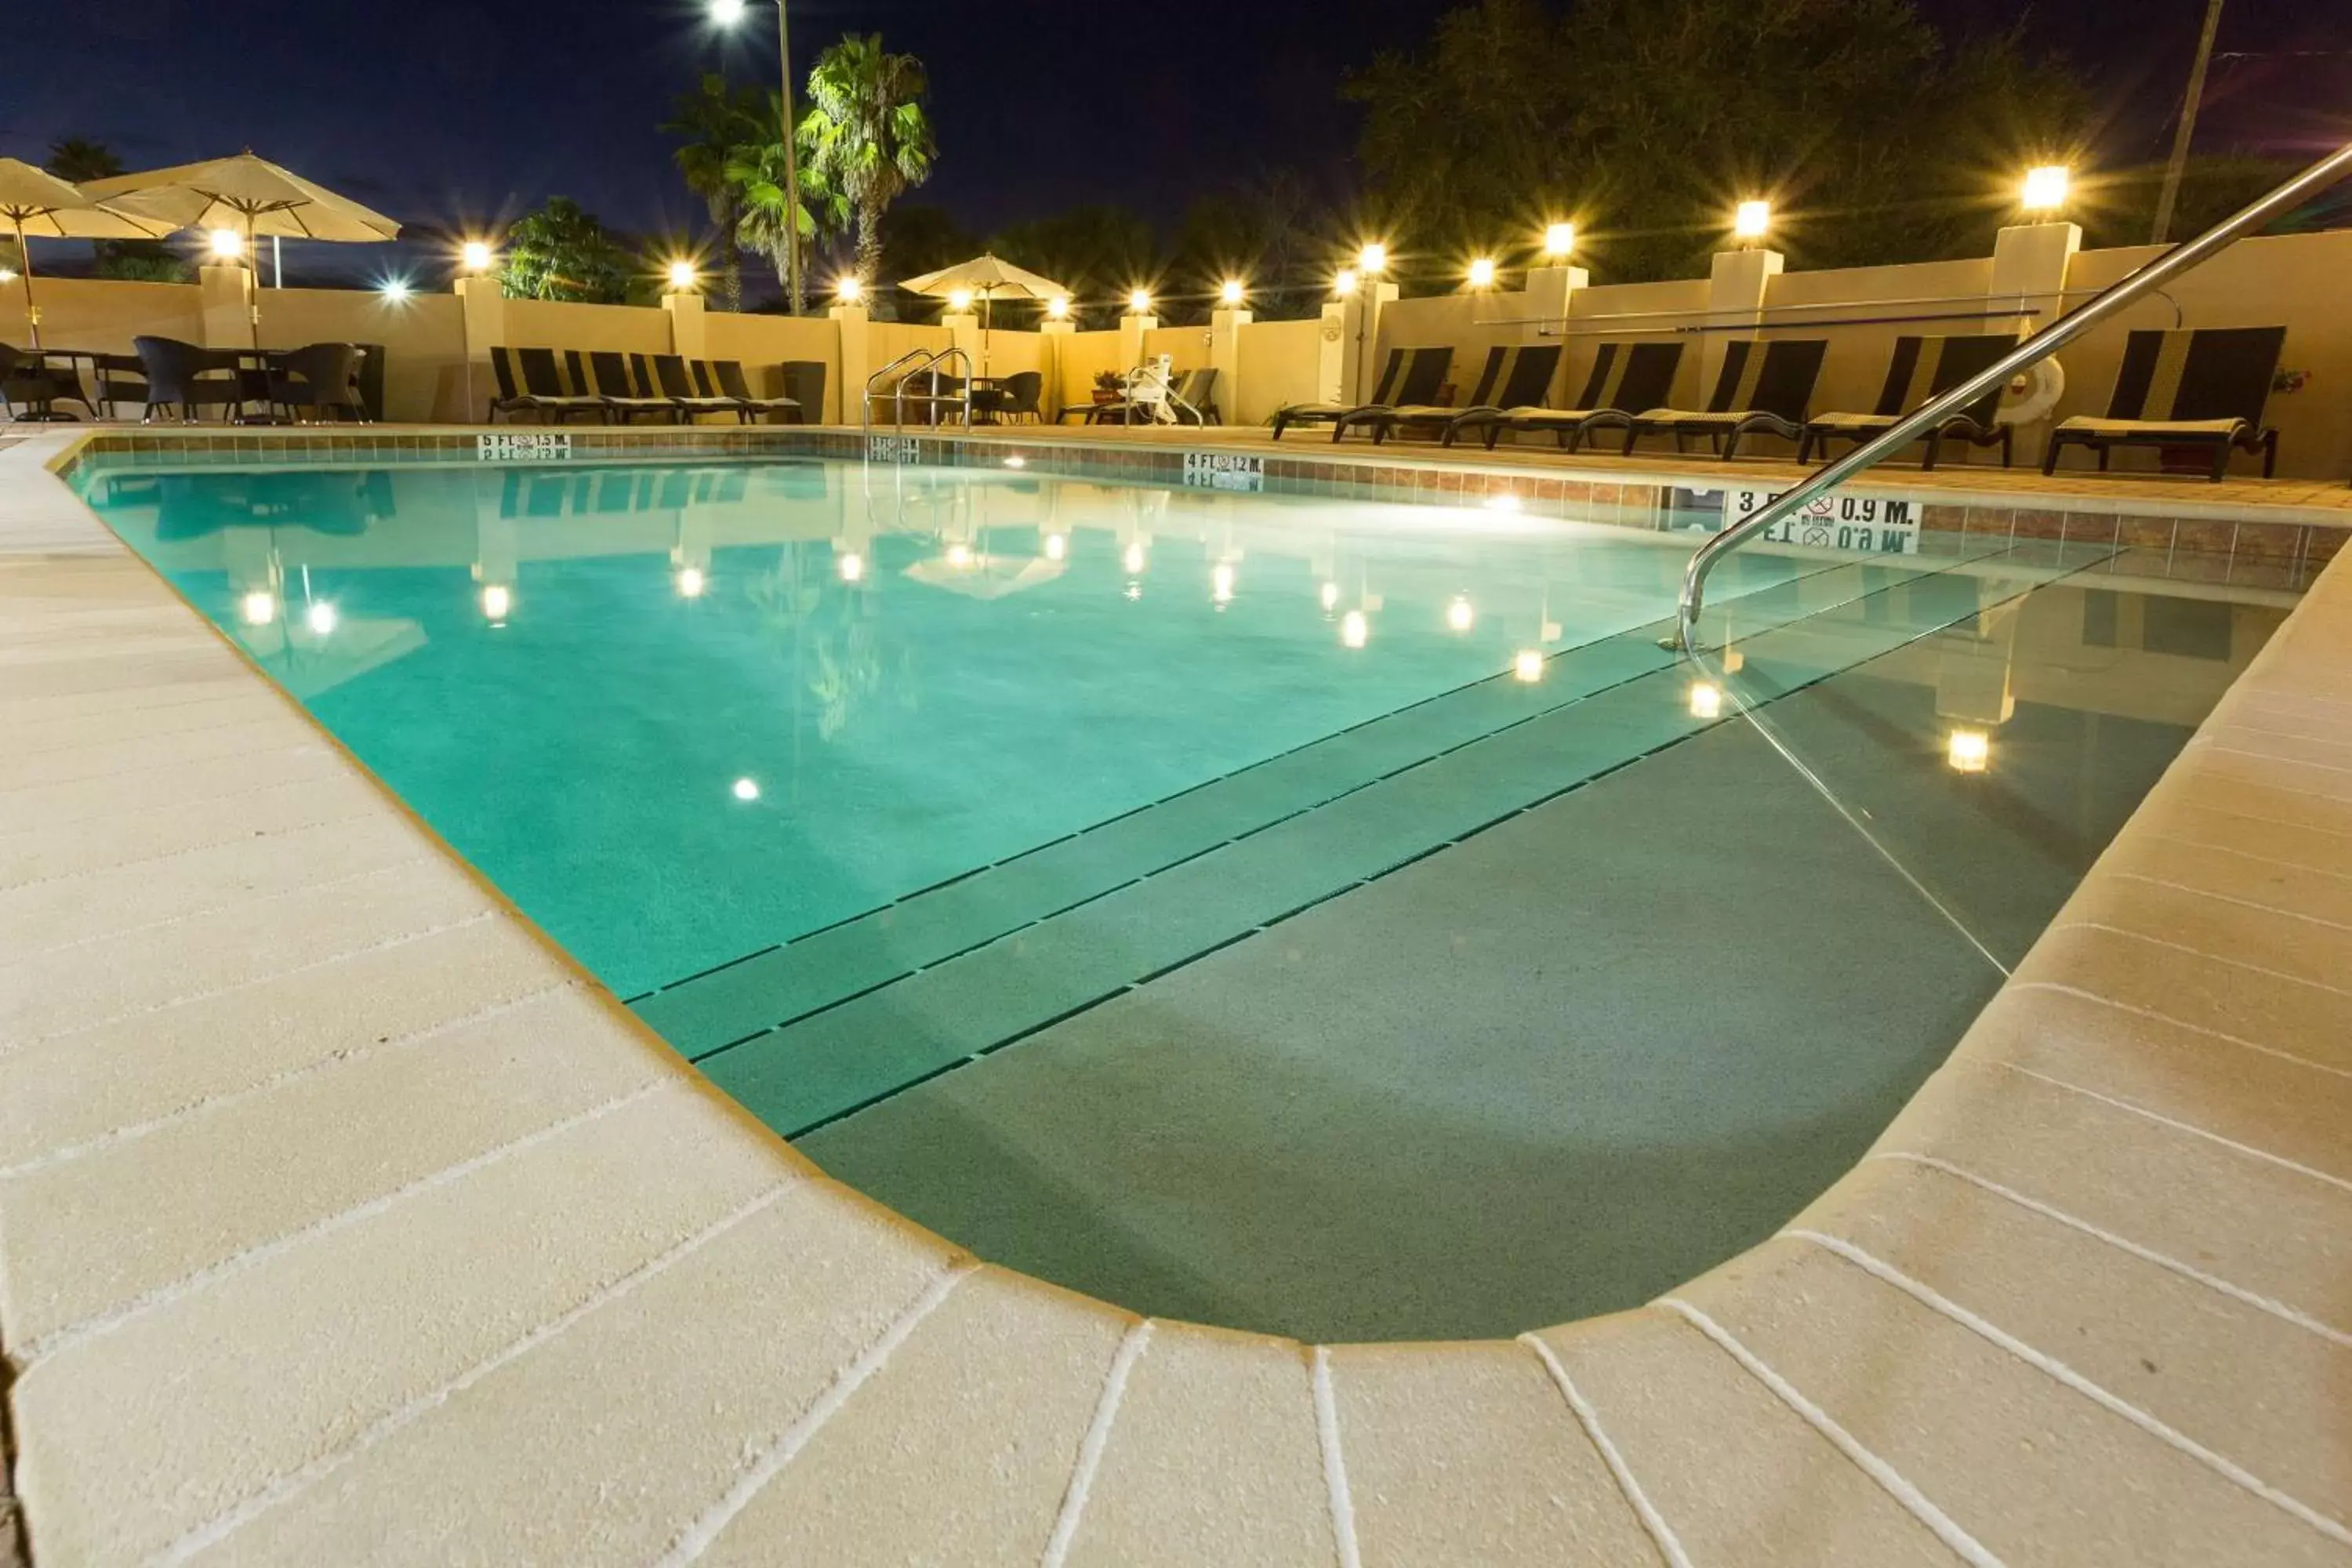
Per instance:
x=714, y=119
x=1100, y=251
x=561, y=252
x=1874, y=138
x=866, y=133
x=755, y=169
x=79, y=159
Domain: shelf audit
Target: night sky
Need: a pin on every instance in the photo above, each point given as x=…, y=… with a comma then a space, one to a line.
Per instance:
x=456, y=113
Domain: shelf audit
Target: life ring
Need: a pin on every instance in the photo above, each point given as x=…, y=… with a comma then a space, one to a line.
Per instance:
x=2031, y=394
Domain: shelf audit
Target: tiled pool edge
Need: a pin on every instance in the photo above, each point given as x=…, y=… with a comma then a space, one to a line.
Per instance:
x=1443, y=1442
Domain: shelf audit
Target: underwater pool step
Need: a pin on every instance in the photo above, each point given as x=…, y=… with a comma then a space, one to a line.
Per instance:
x=766, y=990
x=832, y=1062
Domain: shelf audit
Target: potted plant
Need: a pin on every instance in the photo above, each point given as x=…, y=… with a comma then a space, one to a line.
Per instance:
x=1110, y=386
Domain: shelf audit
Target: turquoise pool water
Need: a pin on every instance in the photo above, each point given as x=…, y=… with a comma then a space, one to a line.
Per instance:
x=1329, y=917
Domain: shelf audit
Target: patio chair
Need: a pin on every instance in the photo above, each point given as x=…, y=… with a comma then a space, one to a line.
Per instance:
x=1754, y=391
x=529, y=383
x=1408, y=377
x=803, y=382
x=1510, y=376
x=730, y=383
x=187, y=376
x=2200, y=388
x=1624, y=377
x=1196, y=397
x=1020, y=392
x=121, y=378
x=1923, y=368
x=676, y=383
x=30, y=388
x=625, y=395
x=321, y=377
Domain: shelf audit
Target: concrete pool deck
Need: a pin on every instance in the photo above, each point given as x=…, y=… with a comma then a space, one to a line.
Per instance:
x=343, y=1220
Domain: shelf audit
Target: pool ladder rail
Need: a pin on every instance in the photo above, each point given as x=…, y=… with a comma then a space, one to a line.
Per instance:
x=2036, y=348
x=907, y=366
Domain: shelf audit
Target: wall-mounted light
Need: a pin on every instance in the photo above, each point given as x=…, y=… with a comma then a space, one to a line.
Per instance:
x=1140, y=301
x=1482, y=272
x=395, y=291
x=2045, y=188
x=1058, y=308
x=475, y=255
x=958, y=301
x=1751, y=219
x=1373, y=260
x=1230, y=292
x=227, y=244
x=848, y=290
x=681, y=275
x=1344, y=284
x=1560, y=241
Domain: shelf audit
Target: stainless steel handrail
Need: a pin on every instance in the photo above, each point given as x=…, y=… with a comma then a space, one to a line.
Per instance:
x=866, y=419
x=2040, y=346
x=932, y=367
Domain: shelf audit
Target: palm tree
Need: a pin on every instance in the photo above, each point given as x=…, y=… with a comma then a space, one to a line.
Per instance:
x=715, y=120
x=867, y=133
x=756, y=171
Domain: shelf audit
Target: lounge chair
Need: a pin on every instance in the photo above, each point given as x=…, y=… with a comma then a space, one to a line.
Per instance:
x=528, y=382
x=2202, y=388
x=623, y=387
x=803, y=382
x=1509, y=375
x=1149, y=388
x=726, y=377
x=1923, y=368
x=676, y=383
x=1403, y=378
x=1754, y=391
x=1624, y=377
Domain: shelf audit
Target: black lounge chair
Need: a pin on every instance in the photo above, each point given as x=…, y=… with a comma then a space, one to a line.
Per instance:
x=528, y=382
x=730, y=383
x=1624, y=377
x=31, y=388
x=1407, y=376
x=1510, y=375
x=1923, y=368
x=321, y=377
x=2202, y=388
x=1754, y=391
x=187, y=376
x=626, y=392
x=676, y=383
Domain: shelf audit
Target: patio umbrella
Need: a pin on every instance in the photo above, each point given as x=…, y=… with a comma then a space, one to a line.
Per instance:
x=36, y=202
x=250, y=195
x=986, y=277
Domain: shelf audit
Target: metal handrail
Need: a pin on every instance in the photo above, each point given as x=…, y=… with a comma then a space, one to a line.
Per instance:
x=916, y=360
x=2040, y=346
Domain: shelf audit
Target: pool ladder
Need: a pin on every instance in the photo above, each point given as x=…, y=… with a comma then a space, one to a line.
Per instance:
x=2036, y=348
x=908, y=365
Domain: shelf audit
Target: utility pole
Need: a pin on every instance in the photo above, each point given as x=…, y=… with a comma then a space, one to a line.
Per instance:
x=792, y=157
x=2172, y=173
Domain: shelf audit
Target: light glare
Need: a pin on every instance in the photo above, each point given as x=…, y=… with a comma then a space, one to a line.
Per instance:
x=1529, y=664
x=1221, y=583
x=1459, y=616
x=848, y=290
x=1330, y=594
x=1751, y=220
x=1345, y=283
x=1969, y=751
x=1140, y=301
x=958, y=301
x=1354, y=630
x=852, y=566
x=1482, y=272
x=1133, y=559
x=1373, y=259
x=959, y=555
x=681, y=275
x=2045, y=188
x=691, y=582
x=396, y=291
x=1058, y=307
x=497, y=600
x=746, y=789
x=227, y=244
x=1705, y=699
x=259, y=608
x=1559, y=239
x=727, y=12
x=476, y=256
x=1057, y=546
x=319, y=617
x=1230, y=293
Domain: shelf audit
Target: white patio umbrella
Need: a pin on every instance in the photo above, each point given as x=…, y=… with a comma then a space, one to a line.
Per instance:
x=251, y=196
x=36, y=202
x=986, y=277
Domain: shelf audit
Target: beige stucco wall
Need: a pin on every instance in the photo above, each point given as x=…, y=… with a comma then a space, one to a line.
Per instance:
x=762, y=343
x=101, y=315
x=1279, y=366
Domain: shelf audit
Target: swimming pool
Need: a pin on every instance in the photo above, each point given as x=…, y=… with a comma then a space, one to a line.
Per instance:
x=1341, y=919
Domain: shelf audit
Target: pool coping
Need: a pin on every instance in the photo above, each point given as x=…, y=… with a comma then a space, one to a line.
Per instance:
x=1854, y=1390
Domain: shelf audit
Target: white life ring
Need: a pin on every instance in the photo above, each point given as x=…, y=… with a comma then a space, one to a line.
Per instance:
x=2031, y=394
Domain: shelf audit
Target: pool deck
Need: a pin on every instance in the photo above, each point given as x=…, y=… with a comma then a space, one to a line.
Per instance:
x=343, y=1220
